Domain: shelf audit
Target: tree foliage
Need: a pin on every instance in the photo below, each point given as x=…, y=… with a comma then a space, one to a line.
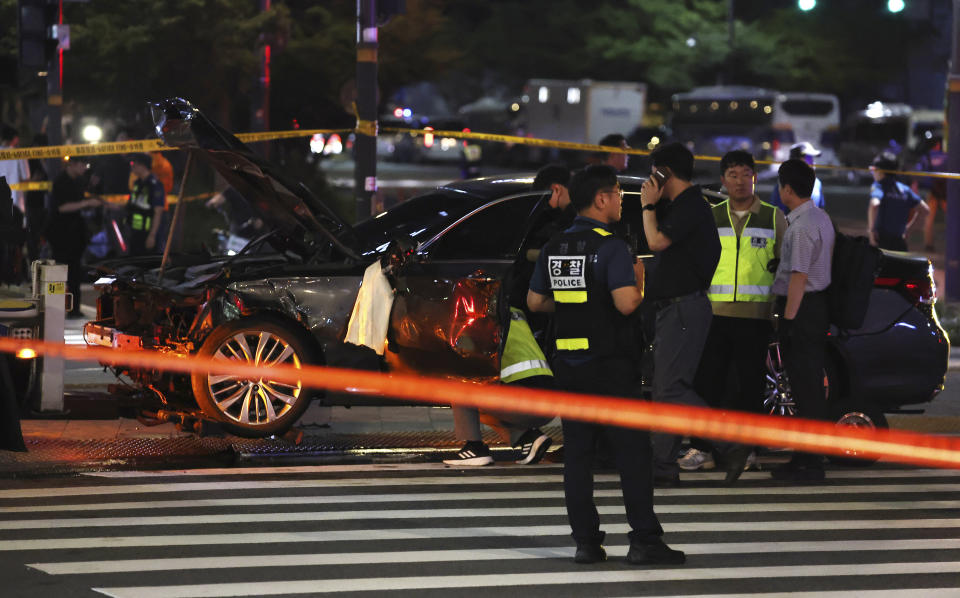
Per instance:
x=126, y=53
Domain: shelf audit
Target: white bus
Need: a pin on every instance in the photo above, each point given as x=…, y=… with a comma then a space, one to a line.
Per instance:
x=811, y=117
x=765, y=122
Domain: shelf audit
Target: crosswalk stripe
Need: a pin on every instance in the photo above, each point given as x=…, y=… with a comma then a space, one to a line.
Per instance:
x=362, y=535
x=484, y=513
x=904, y=593
x=437, y=467
x=488, y=554
x=224, y=486
x=490, y=497
x=382, y=584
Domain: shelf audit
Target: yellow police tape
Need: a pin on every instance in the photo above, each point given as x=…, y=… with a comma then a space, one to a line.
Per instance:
x=369, y=128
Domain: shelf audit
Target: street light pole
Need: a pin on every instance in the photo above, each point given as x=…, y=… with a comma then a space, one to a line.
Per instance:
x=952, y=273
x=365, y=165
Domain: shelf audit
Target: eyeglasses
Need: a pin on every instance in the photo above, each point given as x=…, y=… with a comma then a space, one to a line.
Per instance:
x=618, y=190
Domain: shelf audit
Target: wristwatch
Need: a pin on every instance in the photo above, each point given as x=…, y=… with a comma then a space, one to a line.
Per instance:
x=650, y=206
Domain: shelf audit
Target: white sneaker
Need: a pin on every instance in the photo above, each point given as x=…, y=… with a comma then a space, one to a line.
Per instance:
x=695, y=459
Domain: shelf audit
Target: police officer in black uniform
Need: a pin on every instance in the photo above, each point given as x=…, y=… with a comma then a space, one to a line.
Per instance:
x=588, y=277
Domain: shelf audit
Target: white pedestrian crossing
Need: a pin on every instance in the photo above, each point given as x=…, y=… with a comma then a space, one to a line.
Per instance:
x=424, y=530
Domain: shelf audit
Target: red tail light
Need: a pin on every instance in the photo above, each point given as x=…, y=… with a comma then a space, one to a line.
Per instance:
x=918, y=290
x=428, y=137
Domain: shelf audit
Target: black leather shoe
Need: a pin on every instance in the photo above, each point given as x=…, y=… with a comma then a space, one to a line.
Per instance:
x=666, y=480
x=655, y=554
x=589, y=553
x=735, y=461
x=799, y=471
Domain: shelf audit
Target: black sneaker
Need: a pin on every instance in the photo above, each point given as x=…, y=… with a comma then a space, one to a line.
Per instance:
x=797, y=470
x=473, y=453
x=655, y=554
x=589, y=553
x=533, y=446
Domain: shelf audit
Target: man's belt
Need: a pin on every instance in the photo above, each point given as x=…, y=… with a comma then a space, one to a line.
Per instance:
x=662, y=303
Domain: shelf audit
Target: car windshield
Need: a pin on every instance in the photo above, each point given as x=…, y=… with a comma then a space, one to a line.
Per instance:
x=419, y=218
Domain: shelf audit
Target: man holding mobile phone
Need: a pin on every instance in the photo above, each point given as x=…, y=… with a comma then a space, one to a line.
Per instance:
x=680, y=229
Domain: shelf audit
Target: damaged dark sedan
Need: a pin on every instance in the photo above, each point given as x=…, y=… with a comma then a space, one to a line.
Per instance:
x=290, y=303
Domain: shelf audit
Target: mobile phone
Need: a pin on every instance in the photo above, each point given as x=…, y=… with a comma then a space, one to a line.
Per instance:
x=660, y=177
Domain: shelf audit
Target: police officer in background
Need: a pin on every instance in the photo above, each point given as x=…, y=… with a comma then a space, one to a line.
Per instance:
x=145, y=207
x=587, y=276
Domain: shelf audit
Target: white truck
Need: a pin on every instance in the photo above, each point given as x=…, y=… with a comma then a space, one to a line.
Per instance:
x=582, y=111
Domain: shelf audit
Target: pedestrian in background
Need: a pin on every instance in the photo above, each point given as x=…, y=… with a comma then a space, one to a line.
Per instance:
x=616, y=160
x=741, y=297
x=145, y=207
x=589, y=279
x=681, y=231
x=894, y=206
x=806, y=152
x=36, y=202
x=15, y=171
x=802, y=278
x=66, y=229
x=933, y=160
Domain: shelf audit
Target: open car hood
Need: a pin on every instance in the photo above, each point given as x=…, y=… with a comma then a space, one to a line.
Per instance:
x=301, y=222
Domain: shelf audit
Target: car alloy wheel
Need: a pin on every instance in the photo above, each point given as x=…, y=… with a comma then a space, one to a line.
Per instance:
x=256, y=407
x=856, y=415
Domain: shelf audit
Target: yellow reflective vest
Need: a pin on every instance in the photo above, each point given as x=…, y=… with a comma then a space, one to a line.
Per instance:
x=742, y=273
x=522, y=357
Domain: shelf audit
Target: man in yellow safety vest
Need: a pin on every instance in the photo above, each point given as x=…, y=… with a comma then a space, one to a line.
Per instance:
x=740, y=297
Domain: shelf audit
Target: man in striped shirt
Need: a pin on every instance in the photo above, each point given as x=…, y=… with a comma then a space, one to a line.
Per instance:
x=800, y=285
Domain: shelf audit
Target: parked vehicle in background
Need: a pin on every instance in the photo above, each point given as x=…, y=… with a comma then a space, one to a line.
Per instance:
x=810, y=117
x=581, y=111
x=714, y=120
x=879, y=127
x=421, y=148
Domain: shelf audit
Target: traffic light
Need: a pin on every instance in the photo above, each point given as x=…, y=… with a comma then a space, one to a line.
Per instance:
x=37, y=44
x=806, y=5
x=895, y=6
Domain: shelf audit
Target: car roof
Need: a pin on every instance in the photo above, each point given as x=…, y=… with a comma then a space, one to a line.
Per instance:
x=489, y=188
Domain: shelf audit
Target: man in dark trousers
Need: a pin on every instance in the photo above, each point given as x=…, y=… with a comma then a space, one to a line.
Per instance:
x=66, y=229
x=802, y=279
x=11, y=234
x=681, y=231
x=587, y=276
x=741, y=296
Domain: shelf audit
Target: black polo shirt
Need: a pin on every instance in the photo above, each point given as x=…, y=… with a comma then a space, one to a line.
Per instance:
x=688, y=264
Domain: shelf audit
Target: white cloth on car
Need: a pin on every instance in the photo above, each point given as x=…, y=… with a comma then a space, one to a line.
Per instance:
x=371, y=313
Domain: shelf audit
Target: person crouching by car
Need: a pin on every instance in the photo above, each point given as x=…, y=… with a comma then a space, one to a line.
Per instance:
x=145, y=207
x=588, y=278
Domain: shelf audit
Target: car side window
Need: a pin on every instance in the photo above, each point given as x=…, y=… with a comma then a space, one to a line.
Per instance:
x=495, y=232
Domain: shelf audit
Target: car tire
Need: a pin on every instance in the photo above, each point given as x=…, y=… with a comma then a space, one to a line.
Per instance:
x=856, y=414
x=254, y=408
x=777, y=400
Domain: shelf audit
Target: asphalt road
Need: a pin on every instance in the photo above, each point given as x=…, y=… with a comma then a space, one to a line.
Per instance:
x=428, y=530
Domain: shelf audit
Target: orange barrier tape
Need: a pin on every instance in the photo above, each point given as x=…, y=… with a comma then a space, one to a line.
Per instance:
x=764, y=430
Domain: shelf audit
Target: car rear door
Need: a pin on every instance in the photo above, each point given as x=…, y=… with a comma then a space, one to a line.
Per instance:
x=446, y=318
